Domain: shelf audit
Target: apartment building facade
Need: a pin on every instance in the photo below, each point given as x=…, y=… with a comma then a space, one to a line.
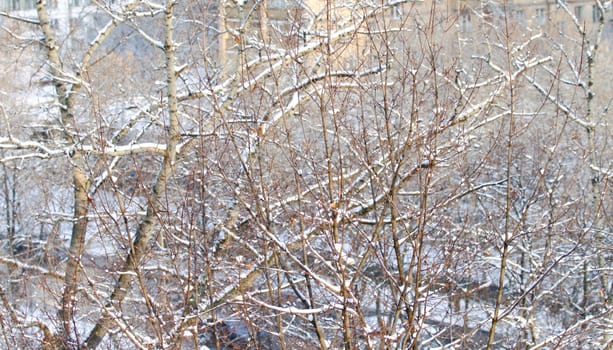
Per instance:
x=554, y=16
x=529, y=14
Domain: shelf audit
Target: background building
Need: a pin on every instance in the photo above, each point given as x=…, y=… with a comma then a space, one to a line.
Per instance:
x=62, y=12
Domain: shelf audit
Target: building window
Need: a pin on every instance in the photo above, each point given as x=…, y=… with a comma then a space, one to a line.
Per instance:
x=397, y=11
x=520, y=15
x=540, y=16
x=596, y=14
x=579, y=12
x=465, y=25
x=275, y=4
x=562, y=27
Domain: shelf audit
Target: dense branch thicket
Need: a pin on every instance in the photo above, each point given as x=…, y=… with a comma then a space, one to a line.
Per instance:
x=301, y=175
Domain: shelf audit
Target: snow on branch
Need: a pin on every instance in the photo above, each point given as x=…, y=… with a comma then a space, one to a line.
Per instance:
x=31, y=268
x=294, y=310
x=145, y=147
x=19, y=18
x=335, y=74
x=606, y=172
x=560, y=104
x=45, y=152
x=11, y=143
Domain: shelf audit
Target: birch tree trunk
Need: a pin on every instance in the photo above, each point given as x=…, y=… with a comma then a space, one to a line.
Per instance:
x=80, y=179
x=145, y=232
